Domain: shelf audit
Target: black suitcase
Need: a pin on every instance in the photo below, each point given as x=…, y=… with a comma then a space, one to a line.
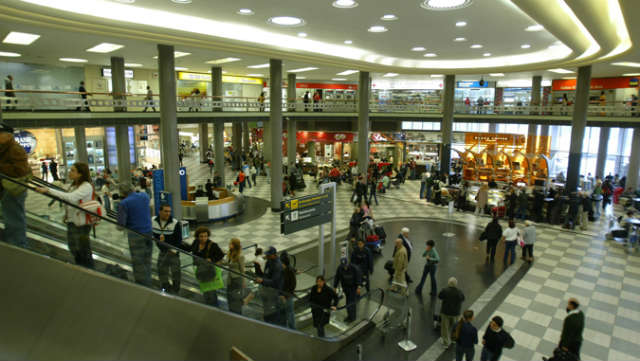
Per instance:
x=379, y=230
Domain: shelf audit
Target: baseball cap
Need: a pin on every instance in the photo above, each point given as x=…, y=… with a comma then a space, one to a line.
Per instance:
x=271, y=251
x=5, y=128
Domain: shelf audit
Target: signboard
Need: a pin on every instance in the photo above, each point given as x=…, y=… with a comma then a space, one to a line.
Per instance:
x=304, y=137
x=183, y=184
x=326, y=86
x=597, y=83
x=472, y=84
x=158, y=187
x=183, y=75
x=304, y=212
x=495, y=138
x=26, y=140
x=106, y=73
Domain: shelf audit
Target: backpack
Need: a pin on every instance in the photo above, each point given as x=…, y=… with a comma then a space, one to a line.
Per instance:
x=510, y=342
x=88, y=219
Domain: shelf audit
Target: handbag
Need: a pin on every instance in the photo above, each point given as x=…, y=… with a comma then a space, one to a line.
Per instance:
x=215, y=283
x=88, y=219
x=520, y=240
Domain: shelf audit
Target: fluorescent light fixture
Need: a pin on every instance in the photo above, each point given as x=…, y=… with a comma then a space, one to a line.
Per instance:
x=181, y=68
x=569, y=77
x=133, y=65
x=486, y=54
x=19, y=38
x=536, y=27
x=182, y=1
x=176, y=54
x=73, y=60
x=301, y=77
x=627, y=63
x=258, y=66
x=300, y=70
x=631, y=74
x=437, y=75
x=223, y=60
x=496, y=74
x=430, y=55
x=561, y=71
x=344, y=4
x=255, y=74
x=476, y=46
x=302, y=35
x=105, y=48
x=9, y=54
x=418, y=48
x=461, y=24
x=245, y=12
x=377, y=29
x=460, y=39
x=338, y=79
x=390, y=75
x=286, y=21
x=348, y=42
x=525, y=46
x=389, y=17
x=348, y=72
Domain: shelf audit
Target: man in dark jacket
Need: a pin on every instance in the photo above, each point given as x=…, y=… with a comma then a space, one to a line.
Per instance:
x=452, y=299
x=167, y=231
x=467, y=337
x=492, y=233
x=272, y=282
x=494, y=340
x=13, y=163
x=288, y=288
x=354, y=222
x=348, y=276
x=572, y=327
x=362, y=258
x=53, y=169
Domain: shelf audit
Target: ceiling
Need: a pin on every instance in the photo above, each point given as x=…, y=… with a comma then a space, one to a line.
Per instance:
x=415, y=26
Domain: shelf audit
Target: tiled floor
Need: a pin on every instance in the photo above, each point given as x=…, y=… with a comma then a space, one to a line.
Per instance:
x=601, y=274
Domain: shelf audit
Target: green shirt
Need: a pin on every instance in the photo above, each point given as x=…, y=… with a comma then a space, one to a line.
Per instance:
x=433, y=255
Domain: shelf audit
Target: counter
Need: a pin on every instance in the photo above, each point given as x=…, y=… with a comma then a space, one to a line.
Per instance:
x=204, y=210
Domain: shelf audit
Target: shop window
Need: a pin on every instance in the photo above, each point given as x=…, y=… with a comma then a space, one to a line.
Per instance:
x=417, y=125
x=407, y=125
x=614, y=141
x=591, y=140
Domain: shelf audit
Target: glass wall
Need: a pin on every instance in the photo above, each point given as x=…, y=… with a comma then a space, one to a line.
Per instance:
x=429, y=126
x=618, y=151
x=513, y=129
x=471, y=127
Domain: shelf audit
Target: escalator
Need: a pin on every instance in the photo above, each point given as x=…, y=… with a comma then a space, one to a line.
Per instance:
x=54, y=310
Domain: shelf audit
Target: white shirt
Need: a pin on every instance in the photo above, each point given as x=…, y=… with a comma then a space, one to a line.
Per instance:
x=83, y=193
x=511, y=234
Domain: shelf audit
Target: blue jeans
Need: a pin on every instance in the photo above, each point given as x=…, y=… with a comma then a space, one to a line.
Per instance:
x=510, y=249
x=596, y=209
x=423, y=188
x=107, y=203
x=522, y=213
x=428, y=269
x=373, y=195
x=487, y=355
x=288, y=315
x=463, y=351
x=429, y=191
x=141, y=248
x=15, y=231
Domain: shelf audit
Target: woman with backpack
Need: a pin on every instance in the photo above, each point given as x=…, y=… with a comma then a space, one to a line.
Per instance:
x=78, y=223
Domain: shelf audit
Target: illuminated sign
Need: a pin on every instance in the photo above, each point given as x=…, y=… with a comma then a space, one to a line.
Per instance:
x=26, y=140
x=182, y=75
x=106, y=73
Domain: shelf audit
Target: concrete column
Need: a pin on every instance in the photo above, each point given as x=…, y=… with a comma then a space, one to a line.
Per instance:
x=603, y=145
x=447, y=123
x=236, y=143
x=122, y=130
x=291, y=144
x=203, y=135
x=364, y=88
x=216, y=85
x=81, y=145
x=266, y=140
x=577, y=127
x=169, y=126
x=536, y=84
x=311, y=149
x=291, y=91
x=218, y=143
x=245, y=136
x=118, y=81
x=531, y=138
x=275, y=95
x=62, y=164
x=493, y=127
x=544, y=130
x=634, y=161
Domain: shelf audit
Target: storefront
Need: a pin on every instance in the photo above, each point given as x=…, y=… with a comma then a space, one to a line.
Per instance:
x=325, y=147
x=478, y=92
x=401, y=92
x=329, y=92
x=234, y=88
x=617, y=90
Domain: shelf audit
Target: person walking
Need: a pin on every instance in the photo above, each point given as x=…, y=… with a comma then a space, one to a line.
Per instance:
x=206, y=254
x=349, y=278
x=149, y=100
x=494, y=340
x=133, y=213
x=452, y=299
x=461, y=203
x=53, y=169
x=323, y=300
x=261, y=102
x=467, y=337
x=83, y=95
x=587, y=208
x=272, y=285
x=493, y=234
x=44, y=170
x=523, y=204
x=572, y=328
x=167, y=232
x=254, y=173
x=8, y=85
x=597, y=197
x=78, y=228
x=362, y=258
x=510, y=238
x=235, y=279
x=400, y=264
x=289, y=284
x=430, y=268
x=406, y=242
x=373, y=183
x=306, y=99
x=529, y=238
x=481, y=199
x=241, y=180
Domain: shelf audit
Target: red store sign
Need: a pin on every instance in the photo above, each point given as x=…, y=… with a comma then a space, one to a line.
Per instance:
x=597, y=83
x=324, y=137
x=327, y=86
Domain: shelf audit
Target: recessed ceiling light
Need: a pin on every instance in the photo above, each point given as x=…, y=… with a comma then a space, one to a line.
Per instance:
x=259, y=66
x=525, y=46
x=627, y=63
x=245, y=12
x=254, y=74
x=348, y=42
x=302, y=35
x=430, y=55
x=461, y=24
x=389, y=17
x=300, y=70
x=19, y=38
x=176, y=54
x=181, y=68
x=496, y=74
x=9, y=54
x=348, y=72
x=286, y=21
x=338, y=79
x=377, y=29
x=561, y=71
x=344, y=4
x=390, y=75
x=133, y=65
x=223, y=72
x=73, y=60
x=182, y=1
x=486, y=54
x=105, y=48
x=460, y=39
x=223, y=60
x=631, y=74
x=536, y=27
x=418, y=48
x=445, y=4
x=437, y=75
x=476, y=46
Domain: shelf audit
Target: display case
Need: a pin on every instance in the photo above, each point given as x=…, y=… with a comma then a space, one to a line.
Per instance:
x=502, y=167
x=486, y=165
x=540, y=170
x=95, y=153
x=520, y=169
x=495, y=196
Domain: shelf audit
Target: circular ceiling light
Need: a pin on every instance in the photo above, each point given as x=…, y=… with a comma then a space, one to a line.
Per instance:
x=302, y=35
x=461, y=24
x=9, y=54
x=418, y=48
x=476, y=46
x=245, y=12
x=441, y=5
x=486, y=54
x=377, y=29
x=389, y=17
x=536, y=27
x=182, y=1
x=286, y=21
x=460, y=39
x=344, y=4
x=430, y=55
x=348, y=42
x=525, y=46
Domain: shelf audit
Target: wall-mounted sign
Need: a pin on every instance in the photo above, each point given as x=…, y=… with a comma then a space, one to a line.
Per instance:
x=183, y=75
x=326, y=86
x=26, y=140
x=472, y=84
x=106, y=73
x=304, y=137
x=597, y=83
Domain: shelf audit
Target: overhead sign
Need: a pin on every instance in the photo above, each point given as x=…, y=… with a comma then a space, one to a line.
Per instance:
x=324, y=137
x=597, y=83
x=495, y=138
x=106, y=73
x=326, y=86
x=184, y=75
x=27, y=140
x=304, y=212
x=472, y=84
